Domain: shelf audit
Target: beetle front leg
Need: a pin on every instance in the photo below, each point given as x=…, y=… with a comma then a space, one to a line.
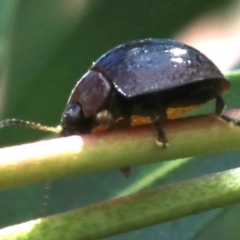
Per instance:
x=161, y=136
x=105, y=118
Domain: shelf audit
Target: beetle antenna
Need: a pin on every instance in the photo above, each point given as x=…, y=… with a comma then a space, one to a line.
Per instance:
x=19, y=122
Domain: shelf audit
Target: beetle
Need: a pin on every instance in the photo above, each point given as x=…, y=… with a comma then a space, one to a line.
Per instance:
x=144, y=78
x=156, y=78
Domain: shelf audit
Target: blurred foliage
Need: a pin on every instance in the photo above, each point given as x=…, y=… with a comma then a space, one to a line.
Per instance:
x=45, y=47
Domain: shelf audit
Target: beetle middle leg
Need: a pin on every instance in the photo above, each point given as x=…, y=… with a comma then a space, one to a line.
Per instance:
x=157, y=121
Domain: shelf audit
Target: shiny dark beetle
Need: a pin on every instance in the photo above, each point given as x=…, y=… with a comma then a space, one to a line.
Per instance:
x=143, y=78
x=154, y=78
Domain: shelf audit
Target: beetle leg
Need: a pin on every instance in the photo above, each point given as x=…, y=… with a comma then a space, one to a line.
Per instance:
x=220, y=105
x=230, y=120
x=126, y=171
x=161, y=136
x=105, y=119
x=124, y=123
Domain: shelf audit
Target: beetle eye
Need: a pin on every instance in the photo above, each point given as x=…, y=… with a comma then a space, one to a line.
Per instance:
x=72, y=114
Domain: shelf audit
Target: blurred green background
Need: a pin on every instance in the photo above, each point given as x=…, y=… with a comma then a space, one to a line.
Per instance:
x=45, y=47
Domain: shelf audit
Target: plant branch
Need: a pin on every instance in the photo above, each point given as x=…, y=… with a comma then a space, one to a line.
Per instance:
x=63, y=157
x=134, y=211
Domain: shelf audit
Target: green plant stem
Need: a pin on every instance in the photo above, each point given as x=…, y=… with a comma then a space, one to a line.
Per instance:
x=53, y=159
x=134, y=211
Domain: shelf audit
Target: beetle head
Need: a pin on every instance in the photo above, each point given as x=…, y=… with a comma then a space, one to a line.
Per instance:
x=74, y=122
